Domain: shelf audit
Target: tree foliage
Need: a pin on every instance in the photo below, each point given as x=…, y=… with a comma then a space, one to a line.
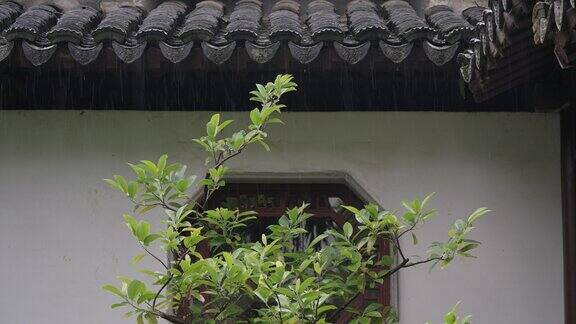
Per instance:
x=268, y=281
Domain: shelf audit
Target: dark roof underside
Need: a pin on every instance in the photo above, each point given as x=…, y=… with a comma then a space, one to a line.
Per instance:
x=346, y=55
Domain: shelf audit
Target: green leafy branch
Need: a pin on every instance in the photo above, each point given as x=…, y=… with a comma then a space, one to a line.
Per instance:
x=271, y=280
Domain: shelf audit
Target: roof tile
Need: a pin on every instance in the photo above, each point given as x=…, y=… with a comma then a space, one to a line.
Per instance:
x=33, y=23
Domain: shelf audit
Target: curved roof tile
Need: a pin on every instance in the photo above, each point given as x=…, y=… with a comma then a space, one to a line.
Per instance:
x=162, y=21
x=451, y=27
x=405, y=21
x=202, y=23
x=118, y=24
x=244, y=22
x=9, y=11
x=365, y=20
x=284, y=21
x=74, y=25
x=323, y=21
x=33, y=23
x=474, y=15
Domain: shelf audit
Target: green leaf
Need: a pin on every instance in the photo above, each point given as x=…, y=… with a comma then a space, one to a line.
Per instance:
x=263, y=293
x=150, y=167
x=212, y=125
x=450, y=318
x=467, y=247
x=151, y=318
x=326, y=308
x=347, y=229
x=414, y=239
x=425, y=201
x=137, y=258
x=162, y=163
x=223, y=125
x=306, y=283
x=182, y=185
x=255, y=117
x=467, y=255
x=477, y=214
x=407, y=206
x=387, y=260
x=151, y=238
x=147, y=209
x=228, y=258
x=317, y=240
x=116, y=305
x=142, y=230
x=132, y=189
x=317, y=268
x=266, y=147
x=139, y=171
x=134, y=288
x=351, y=209
x=373, y=314
x=113, y=184
x=121, y=182
x=131, y=223
x=113, y=290
x=275, y=121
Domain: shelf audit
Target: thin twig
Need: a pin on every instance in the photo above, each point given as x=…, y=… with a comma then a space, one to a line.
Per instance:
x=397, y=243
x=333, y=316
x=220, y=163
x=152, y=255
x=407, y=230
x=163, y=203
x=387, y=274
x=396, y=268
x=277, y=298
x=159, y=291
x=422, y=262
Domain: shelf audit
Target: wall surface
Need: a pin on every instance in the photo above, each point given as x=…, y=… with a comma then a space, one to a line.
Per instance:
x=61, y=232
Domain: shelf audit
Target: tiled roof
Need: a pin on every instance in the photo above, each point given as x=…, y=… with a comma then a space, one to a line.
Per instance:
x=503, y=55
x=498, y=47
x=176, y=26
x=554, y=22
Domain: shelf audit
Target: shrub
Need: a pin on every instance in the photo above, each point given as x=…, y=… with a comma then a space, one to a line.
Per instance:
x=268, y=281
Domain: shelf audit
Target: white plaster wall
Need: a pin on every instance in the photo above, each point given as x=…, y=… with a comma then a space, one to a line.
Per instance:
x=61, y=232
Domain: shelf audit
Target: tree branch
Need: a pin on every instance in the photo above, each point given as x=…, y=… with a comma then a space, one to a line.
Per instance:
x=396, y=242
x=159, y=291
x=422, y=262
x=340, y=309
x=277, y=298
x=163, y=203
x=170, y=318
x=152, y=255
x=396, y=268
x=407, y=230
x=220, y=163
